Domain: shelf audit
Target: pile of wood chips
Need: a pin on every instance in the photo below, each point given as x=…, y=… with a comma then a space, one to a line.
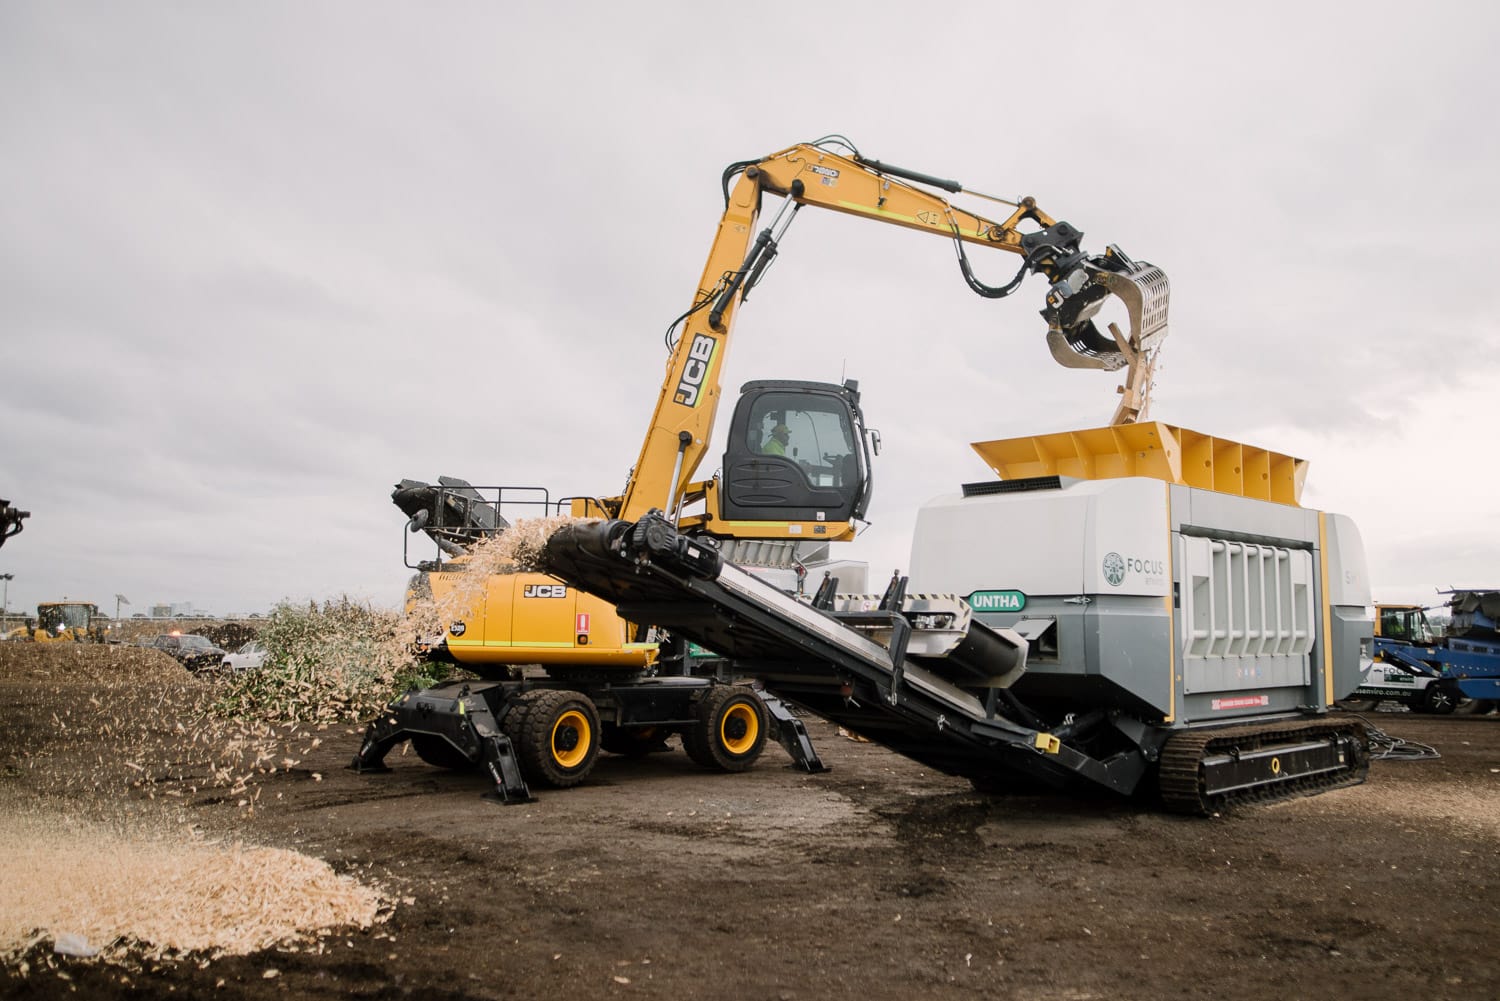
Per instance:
x=74, y=882
x=88, y=665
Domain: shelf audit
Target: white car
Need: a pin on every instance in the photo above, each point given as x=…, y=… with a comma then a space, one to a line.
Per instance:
x=247, y=658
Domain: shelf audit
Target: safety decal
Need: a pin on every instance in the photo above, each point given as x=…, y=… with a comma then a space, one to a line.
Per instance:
x=1242, y=702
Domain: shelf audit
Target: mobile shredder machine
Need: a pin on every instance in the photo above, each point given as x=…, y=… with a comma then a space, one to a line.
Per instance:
x=1138, y=609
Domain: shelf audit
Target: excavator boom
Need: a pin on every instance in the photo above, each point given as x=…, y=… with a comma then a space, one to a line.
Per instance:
x=810, y=174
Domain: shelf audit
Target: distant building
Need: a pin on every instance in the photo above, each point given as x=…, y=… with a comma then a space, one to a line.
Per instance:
x=161, y=611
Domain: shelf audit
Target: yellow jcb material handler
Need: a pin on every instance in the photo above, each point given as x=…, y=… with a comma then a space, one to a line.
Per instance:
x=603, y=681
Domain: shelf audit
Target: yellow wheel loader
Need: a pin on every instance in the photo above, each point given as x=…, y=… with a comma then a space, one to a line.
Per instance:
x=63, y=622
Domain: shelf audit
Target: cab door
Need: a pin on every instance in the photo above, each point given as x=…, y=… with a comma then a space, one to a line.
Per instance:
x=797, y=452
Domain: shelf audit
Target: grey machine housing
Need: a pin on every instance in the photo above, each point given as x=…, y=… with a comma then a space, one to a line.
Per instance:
x=1173, y=603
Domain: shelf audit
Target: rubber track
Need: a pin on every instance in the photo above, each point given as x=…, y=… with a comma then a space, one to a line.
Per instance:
x=1179, y=776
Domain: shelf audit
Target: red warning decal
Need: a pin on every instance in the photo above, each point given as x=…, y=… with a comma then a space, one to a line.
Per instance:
x=583, y=623
x=1242, y=702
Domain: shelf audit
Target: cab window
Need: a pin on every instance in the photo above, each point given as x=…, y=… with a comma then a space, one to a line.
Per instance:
x=817, y=435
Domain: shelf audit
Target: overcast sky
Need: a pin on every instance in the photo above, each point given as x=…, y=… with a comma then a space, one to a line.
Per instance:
x=260, y=261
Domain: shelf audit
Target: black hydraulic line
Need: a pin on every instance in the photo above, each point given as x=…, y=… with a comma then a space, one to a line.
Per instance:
x=722, y=303
x=835, y=139
x=989, y=291
x=700, y=304
x=729, y=174
x=911, y=175
x=756, y=259
x=758, y=271
x=1386, y=747
x=1019, y=711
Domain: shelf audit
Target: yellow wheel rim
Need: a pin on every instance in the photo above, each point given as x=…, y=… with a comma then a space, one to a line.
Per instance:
x=571, y=739
x=739, y=728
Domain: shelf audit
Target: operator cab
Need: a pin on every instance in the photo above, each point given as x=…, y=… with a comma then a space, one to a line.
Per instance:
x=798, y=451
x=1404, y=623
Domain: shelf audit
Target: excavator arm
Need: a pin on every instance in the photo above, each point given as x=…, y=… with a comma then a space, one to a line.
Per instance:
x=811, y=174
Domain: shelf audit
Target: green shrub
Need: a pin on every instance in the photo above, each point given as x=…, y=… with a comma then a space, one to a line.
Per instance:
x=341, y=662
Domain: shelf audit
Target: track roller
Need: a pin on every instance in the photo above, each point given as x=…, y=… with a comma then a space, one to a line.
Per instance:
x=1205, y=771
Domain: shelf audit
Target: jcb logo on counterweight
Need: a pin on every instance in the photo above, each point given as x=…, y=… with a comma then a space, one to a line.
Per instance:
x=700, y=355
x=544, y=591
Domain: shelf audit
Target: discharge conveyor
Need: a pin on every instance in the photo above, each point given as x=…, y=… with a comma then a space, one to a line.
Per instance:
x=823, y=659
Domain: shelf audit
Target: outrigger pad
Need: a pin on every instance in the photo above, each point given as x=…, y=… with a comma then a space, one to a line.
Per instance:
x=791, y=734
x=462, y=719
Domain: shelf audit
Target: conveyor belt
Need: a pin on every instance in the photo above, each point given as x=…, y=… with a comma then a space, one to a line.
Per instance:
x=806, y=656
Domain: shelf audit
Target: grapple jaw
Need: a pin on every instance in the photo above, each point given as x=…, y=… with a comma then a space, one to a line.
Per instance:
x=1075, y=298
x=11, y=520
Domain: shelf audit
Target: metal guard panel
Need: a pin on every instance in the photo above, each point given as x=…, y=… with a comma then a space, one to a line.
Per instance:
x=1151, y=449
x=475, y=654
x=797, y=531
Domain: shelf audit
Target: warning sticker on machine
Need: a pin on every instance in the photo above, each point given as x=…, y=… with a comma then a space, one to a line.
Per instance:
x=1242, y=702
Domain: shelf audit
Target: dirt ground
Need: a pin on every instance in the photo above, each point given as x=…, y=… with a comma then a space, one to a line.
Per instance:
x=876, y=880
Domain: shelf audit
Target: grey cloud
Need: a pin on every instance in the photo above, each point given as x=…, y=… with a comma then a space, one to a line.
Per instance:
x=271, y=258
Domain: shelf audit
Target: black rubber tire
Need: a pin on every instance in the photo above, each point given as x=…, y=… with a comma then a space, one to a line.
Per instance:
x=556, y=736
x=730, y=731
x=438, y=753
x=1439, y=699
x=632, y=741
x=1473, y=707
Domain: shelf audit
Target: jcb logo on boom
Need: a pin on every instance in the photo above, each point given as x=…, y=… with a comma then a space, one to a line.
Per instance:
x=544, y=591
x=700, y=354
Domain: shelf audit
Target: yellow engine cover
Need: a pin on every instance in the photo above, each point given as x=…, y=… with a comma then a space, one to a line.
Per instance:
x=530, y=618
x=77, y=634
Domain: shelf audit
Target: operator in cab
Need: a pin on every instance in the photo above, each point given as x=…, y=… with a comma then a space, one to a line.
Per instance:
x=776, y=444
